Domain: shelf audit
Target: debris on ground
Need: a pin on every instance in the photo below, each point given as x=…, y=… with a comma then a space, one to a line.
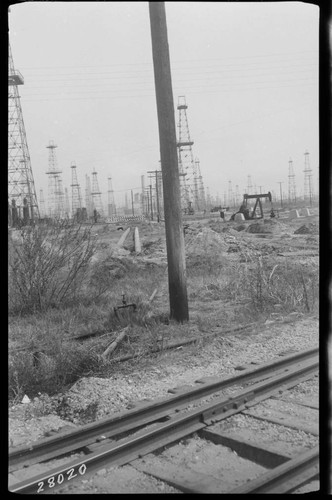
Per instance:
x=309, y=228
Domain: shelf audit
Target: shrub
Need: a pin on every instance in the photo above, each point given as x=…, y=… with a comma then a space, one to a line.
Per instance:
x=293, y=286
x=48, y=266
x=30, y=374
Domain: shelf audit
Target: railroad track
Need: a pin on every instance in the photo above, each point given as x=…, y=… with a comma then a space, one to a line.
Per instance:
x=135, y=433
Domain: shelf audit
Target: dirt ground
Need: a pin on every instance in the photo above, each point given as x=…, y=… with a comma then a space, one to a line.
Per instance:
x=92, y=398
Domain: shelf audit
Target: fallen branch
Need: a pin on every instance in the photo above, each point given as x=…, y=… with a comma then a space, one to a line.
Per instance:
x=113, y=345
x=181, y=343
x=153, y=295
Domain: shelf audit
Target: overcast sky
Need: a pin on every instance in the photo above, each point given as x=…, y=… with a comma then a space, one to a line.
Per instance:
x=248, y=71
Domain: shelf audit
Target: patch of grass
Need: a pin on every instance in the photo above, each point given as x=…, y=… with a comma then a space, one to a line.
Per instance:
x=289, y=285
x=222, y=292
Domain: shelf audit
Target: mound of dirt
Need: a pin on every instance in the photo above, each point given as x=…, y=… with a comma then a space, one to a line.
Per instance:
x=258, y=227
x=267, y=226
x=309, y=228
x=153, y=246
x=205, y=241
x=240, y=227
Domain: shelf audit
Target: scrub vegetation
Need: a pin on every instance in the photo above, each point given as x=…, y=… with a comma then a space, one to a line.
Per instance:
x=67, y=281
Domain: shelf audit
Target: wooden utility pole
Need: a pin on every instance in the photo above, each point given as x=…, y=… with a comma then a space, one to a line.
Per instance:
x=177, y=281
x=151, y=207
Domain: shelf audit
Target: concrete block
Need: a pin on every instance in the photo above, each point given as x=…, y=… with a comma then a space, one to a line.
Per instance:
x=239, y=218
x=137, y=242
x=123, y=237
x=293, y=214
x=306, y=212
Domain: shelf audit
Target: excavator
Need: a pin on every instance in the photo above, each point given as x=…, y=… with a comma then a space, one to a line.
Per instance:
x=257, y=212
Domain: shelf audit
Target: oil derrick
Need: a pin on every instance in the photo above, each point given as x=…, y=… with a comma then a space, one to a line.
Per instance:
x=307, y=179
x=60, y=198
x=291, y=183
x=21, y=186
x=42, y=208
x=67, y=206
x=230, y=194
x=76, y=199
x=237, y=195
x=111, y=202
x=208, y=199
x=200, y=186
x=55, y=195
x=88, y=197
x=185, y=157
x=249, y=187
x=96, y=195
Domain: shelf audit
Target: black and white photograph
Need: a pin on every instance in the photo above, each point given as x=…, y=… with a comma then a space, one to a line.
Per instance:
x=163, y=247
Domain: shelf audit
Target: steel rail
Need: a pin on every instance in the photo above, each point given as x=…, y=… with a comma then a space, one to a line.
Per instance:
x=286, y=477
x=176, y=428
x=72, y=440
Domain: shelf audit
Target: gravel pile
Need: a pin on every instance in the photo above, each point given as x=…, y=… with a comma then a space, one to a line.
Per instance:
x=93, y=398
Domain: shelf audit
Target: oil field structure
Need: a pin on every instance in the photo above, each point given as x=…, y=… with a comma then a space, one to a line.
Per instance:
x=191, y=180
x=22, y=200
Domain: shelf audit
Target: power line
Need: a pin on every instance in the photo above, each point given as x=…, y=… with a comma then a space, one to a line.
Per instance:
x=74, y=87
x=181, y=62
x=205, y=79
x=180, y=72
x=204, y=91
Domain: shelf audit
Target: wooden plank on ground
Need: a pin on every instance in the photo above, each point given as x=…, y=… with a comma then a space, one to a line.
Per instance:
x=280, y=418
x=260, y=454
x=185, y=480
x=307, y=403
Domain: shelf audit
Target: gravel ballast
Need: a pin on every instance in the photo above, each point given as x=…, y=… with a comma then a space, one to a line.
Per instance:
x=93, y=398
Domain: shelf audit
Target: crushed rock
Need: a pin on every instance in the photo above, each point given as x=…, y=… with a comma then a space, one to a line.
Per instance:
x=92, y=398
x=28, y=431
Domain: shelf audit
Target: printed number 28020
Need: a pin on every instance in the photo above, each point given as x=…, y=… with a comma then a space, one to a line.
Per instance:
x=60, y=478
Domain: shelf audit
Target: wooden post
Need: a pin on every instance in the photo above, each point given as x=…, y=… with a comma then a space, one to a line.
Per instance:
x=169, y=162
x=151, y=202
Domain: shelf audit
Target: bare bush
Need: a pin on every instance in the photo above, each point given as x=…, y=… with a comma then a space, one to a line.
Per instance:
x=47, y=267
